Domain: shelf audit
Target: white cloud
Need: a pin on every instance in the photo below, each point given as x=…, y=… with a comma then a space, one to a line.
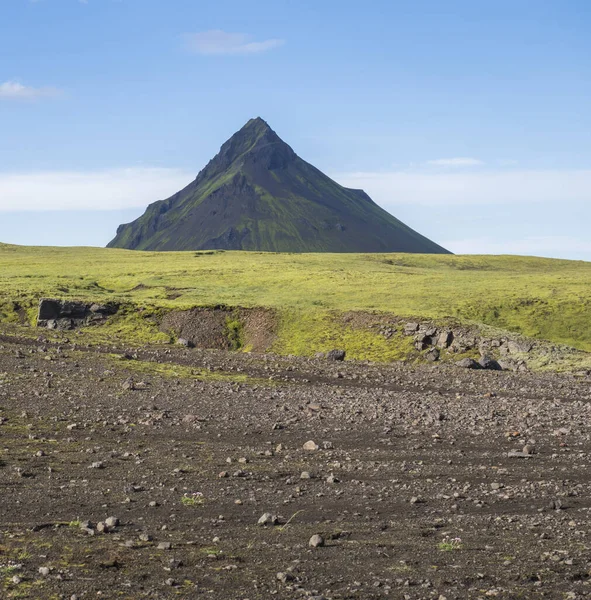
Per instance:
x=218, y=42
x=532, y=212
x=94, y=190
x=543, y=213
x=455, y=163
x=549, y=245
x=392, y=189
x=13, y=90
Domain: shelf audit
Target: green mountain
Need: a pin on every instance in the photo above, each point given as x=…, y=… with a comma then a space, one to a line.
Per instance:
x=257, y=194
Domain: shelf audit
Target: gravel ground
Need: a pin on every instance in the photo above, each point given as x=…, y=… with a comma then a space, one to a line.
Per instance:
x=176, y=473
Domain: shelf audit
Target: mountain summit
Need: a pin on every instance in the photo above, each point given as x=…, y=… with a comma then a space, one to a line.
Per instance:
x=258, y=194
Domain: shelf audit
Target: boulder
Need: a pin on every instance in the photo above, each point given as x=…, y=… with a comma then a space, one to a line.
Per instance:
x=486, y=362
x=521, y=346
x=410, y=328
x=422, y=342
x=336, y=355
x=445, y=339
x=432, y=355
x=68, y=314
x=468, y=363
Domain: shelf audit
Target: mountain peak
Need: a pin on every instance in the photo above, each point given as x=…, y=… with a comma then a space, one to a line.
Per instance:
x=257, y=194
x=255, y=132
x=254, y=142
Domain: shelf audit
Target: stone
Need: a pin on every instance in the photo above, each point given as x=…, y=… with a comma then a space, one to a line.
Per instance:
x=486, y=362
x=101, y=527
x=515, y=454
x=445, y=339
x=468, y=363
x=316, y=541
x=68, y=314
x=519, y=347
x=185, y=342
x=268, y=519
x=44, y=571
x=422, y=342
x=311, y=446
x=432, y=355
x=128, y=384
x=112, y=522
x=410, y=328
x=338, y=355
x=284, y=577
x=164, y=546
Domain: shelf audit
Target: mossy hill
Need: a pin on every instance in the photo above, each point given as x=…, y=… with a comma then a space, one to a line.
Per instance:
x=257, y=194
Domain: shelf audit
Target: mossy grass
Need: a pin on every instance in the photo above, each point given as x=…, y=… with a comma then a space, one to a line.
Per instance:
x=182, y=372
x=536, y=297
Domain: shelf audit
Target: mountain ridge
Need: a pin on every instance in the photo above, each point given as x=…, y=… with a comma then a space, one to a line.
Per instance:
x=258, y=194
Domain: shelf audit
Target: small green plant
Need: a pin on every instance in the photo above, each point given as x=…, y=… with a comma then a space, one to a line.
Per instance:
x=449, y=544
x=10, y=567
x=194, y=499
x=233, y=332
x=284, y=527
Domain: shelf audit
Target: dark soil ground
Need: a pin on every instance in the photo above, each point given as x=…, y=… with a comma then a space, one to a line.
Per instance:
x=414, y=487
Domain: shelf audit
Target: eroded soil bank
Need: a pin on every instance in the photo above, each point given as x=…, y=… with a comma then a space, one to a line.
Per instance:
x=427, y=480
x=360, y=335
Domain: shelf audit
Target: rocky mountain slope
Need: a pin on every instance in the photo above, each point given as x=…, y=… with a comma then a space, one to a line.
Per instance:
x=257, y=194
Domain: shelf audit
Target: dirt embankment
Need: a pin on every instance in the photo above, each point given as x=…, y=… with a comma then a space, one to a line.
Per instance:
x=223, y=328
x=260, y=330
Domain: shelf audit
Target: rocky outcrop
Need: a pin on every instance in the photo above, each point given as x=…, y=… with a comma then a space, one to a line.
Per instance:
x=495, y=353
x=68, y=314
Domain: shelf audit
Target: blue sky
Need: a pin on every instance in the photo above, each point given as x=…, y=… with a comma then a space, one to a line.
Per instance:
x=468, y=120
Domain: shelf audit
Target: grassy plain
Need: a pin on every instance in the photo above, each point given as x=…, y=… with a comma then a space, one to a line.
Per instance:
x=543, y=298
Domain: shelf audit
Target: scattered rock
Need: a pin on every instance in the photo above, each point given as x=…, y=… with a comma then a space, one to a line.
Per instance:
x=316, y=541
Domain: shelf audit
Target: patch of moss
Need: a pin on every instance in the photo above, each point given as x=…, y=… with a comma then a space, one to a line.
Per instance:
x=183, y=372
x=307, y=333
x=234, y=333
